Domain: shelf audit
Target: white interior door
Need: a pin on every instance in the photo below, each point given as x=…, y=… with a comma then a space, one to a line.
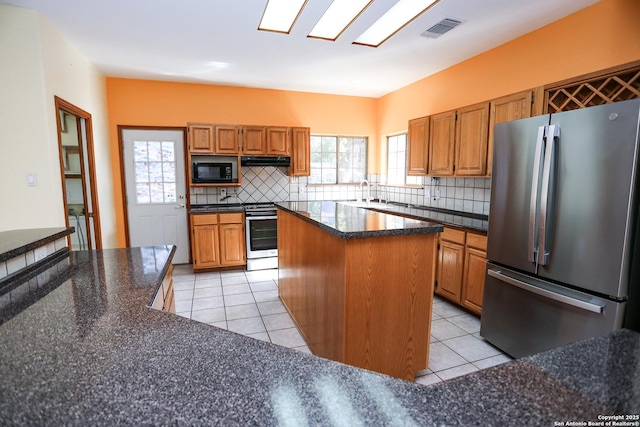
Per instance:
x=156, y=187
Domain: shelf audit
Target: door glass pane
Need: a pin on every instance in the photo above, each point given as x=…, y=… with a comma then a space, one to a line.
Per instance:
x=155, y=171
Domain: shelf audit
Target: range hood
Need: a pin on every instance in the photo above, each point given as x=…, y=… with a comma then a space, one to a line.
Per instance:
x=265, y=161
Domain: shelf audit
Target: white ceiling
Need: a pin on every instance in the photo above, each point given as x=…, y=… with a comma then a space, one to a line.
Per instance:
x=217, y=41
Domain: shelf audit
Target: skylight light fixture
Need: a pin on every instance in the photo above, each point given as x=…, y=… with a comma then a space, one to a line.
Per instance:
x=280, y=15
x=339, y=15
x=393, y=21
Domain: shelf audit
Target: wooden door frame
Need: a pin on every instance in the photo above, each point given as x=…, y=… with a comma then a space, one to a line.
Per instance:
x=123, y=183
x=63, y=105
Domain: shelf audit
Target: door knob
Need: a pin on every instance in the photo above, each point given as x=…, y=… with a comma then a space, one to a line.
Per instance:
x=180, y=206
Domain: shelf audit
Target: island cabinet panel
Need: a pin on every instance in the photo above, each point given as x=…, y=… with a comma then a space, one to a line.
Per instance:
x=311, y=284
x=389, y=303
x=365, y=302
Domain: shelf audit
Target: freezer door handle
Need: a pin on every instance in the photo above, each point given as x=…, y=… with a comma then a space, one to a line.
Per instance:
x=595, y=308
x=533, y=204
x=546, y=198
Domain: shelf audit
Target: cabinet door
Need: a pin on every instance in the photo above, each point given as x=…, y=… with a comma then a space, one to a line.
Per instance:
x=278, y=141
x=206, y=252
x=441, y=143
x=450, y=263
x=201, y=138
x=232, y=244
x=227, y=139
x=506, y=109
x=473, y=284
x=418, y=146
x=254, y=140
x=472, y=131
x=301, y=152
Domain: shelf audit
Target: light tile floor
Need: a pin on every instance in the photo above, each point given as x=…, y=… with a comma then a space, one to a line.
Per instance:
x=246, y=302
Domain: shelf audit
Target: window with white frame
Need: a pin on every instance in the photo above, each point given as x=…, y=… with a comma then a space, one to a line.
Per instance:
x=397, y=162
x=338, y=159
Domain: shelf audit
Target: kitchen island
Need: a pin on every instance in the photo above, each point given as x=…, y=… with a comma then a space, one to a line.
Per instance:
x=358, y=284
x=93, y=352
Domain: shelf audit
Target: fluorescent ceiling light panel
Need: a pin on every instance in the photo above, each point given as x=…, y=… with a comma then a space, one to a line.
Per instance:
x=280, y=15
x=393, y=21
x=339, y=15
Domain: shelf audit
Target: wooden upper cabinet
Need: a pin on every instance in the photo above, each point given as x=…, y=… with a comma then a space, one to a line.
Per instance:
x=226, y=140
x=201, y=138
x=278, y=141
x=441, y=143
x=472, y=126
x=418, y=147
x=254, y=140
x=506, y=109
x=300, y=152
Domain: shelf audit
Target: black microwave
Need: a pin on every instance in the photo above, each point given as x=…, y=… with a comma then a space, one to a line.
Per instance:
x=211, y=173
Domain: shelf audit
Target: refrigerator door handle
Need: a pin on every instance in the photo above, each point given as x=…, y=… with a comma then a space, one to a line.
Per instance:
x=533, y=204
x=595, y=308
x=553, y=132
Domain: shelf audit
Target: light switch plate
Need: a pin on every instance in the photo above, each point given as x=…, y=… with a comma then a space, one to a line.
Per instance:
x=32, y=179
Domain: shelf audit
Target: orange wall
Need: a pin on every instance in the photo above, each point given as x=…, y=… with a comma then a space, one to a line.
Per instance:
x=598, y=37
x=156, y=103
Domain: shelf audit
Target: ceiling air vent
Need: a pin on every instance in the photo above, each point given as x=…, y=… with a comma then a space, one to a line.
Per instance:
x=447, y=24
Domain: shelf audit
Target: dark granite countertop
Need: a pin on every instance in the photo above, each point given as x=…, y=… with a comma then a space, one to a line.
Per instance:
x=92, y=352
x=213, y=208
x=352, y=222
x=18, y=242
x=466, y=220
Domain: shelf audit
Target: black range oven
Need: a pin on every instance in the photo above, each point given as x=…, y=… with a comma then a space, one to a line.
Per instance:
x=262, y=236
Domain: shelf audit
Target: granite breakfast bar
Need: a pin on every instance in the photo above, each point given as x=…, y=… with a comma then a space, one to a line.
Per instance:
x=358, y=284
x=92, y=351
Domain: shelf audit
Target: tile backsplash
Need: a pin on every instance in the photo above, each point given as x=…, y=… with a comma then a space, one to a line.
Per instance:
x=268, y=183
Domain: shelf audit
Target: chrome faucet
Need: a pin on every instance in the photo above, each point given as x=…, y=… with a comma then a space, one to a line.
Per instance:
x=368, y=198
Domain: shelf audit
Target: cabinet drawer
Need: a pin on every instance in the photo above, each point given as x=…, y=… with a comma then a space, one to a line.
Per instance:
x=204, y=219
x=231, y=218
x=452, y=235
x=477, y=241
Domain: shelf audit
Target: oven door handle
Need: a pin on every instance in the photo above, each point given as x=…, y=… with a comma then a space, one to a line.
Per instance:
x=249, y=217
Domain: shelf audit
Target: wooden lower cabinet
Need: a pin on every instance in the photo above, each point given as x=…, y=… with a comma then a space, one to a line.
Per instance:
x=450, y=264
x=232, y=244
x=217, y=240
x=461, y=268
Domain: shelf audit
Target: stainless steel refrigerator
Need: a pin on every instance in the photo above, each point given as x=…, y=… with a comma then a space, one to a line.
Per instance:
x=563, y=238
